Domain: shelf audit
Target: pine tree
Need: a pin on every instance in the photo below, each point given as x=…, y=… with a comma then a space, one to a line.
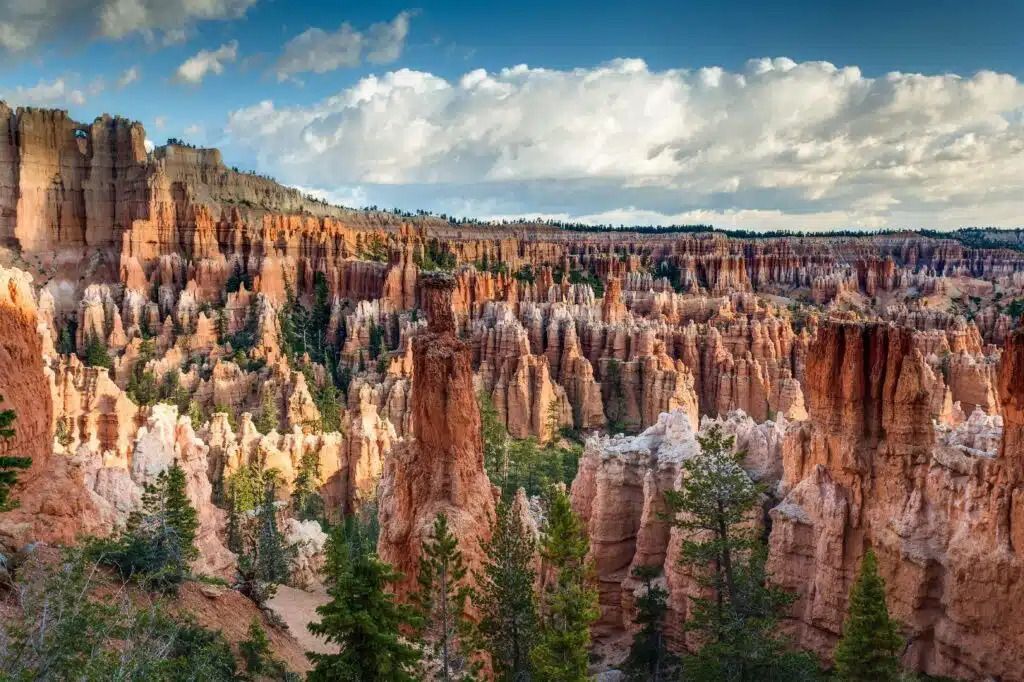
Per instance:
x=272, y=554
x=362, y=618
x=158, y=545
x=268, y=418
x=321, y=315
x=504, y=595
x=648, y=657
x=739, y=622
x=376, y=343
x=495, y=442
x=553, y=421
x=95, y=353
x=9, y=464
x=568, y=603
x=441, y=601
x=257, y=658
x=306, y=501
x=869, y=647
x=264, y=559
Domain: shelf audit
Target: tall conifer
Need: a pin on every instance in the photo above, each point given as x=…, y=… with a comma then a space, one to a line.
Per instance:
x=568, y=602
x=870, y=642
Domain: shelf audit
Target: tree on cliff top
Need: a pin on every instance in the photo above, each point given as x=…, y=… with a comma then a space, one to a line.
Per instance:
x=9, y=464
x=441, y=602
x=870, y=642
x=568, y=602
x=505, y=597
x=739, y=621
x=362, y=618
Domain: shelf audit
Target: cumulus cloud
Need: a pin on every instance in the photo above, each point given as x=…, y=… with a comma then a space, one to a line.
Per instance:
x=194, y=69
x=799, y=139
x=55, y=93
x=24, y=24
x=319, y=51
x=130, y=75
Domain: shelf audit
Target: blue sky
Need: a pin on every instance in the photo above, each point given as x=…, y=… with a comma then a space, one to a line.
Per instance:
x=783, y=114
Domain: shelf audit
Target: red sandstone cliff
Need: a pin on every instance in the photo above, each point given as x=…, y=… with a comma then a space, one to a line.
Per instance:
x=53, y=505
x=946, y=526
x=441, y=470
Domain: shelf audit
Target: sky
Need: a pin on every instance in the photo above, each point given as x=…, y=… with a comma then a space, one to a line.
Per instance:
x=767, y=115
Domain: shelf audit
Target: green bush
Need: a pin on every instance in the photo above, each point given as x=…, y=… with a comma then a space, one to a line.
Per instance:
x=66, y=626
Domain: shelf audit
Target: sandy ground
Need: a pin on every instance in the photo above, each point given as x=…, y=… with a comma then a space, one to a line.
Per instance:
x=297, y=608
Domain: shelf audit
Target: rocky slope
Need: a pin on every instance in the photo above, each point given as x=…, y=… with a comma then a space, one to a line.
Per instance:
x=874, y=381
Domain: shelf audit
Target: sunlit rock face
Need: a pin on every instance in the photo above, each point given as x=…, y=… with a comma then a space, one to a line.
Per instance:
x=872, y=382
x=441, y=469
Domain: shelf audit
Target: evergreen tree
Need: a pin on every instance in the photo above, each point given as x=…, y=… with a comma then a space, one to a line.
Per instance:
x=739, y=622
x=495, y=442
x=362, y=618
x=268, y=419
x=257, y=658
x=264, y=559
x=66, y=340
x=95, y=353
x=272, y=554
x=376, y=343
x=648, y=657
x=441, y=601
x=306, y=501
x=9, y=464
x=321, y=316
x=870, y=644
x=158, y=545
x=616, y=403
x=508, y=607
x=142, y=384
x=195, y=413
x=568, y=603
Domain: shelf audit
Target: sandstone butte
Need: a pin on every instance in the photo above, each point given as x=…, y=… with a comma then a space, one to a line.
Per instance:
x=876, y=382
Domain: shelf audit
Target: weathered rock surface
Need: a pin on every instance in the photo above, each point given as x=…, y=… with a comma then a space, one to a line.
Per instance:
x=441, y=470
x=865, y=471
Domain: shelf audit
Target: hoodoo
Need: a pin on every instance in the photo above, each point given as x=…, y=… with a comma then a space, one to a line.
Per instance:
x=440, y=470
x=304, y=363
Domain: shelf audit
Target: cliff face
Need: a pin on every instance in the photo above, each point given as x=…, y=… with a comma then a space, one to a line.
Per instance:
x=442, y=469
x=887, y=414
x=75, y=185
x=53, y=505
x=864, y=471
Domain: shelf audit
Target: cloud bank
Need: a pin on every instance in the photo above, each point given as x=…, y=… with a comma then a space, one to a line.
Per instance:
x=776, y=141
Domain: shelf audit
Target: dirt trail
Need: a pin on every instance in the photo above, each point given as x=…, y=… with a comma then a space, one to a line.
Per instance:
x=297, y=608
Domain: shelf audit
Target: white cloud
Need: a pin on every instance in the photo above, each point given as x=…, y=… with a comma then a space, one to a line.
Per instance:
x=352, y=197
x=160, y=122
x=319, y=51
x=386, y=40
x=130, y=75
x=194, y=69
x=26, y=23
x=195, y=130
x=801, y=139
x=55, y=93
